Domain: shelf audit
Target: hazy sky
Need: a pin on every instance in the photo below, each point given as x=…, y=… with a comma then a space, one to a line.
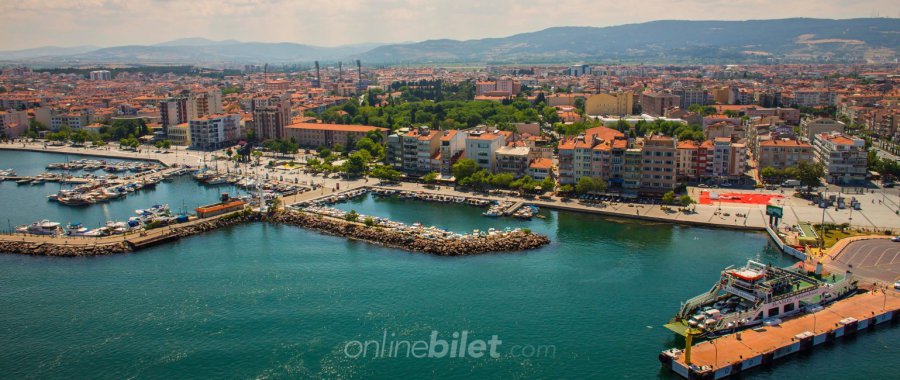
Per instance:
x=34, y=23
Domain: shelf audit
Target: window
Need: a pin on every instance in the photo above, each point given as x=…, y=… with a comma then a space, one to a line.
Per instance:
x=773, y=311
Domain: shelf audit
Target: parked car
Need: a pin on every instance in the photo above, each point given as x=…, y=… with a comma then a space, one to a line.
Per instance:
x=897, y=285
x=895, y=239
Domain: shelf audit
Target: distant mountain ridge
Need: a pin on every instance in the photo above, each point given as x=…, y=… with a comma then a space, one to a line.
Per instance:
x=666, y=41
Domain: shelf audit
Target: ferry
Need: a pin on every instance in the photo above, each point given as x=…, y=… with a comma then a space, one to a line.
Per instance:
x=757, y=294
x=43, y=227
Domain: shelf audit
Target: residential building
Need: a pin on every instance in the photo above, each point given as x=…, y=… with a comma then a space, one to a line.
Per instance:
x=658, y=165
x=616, y=104
x=729, y=159
x=541, y=169
x=690, y=96
x=453, y=147
x=843, y=156
x=789, y=115
x=180, y=134
x=655, y=104
x=631, y=171
x=481, y=146
x=512, y=159
x=99, y=75
x=314, y=135
x=693, y=160
x=596, y=153
x=782, y=153
x=420, y=146
x=810, y=128
x=13, y=123
x=214, y=131
x=271, y=113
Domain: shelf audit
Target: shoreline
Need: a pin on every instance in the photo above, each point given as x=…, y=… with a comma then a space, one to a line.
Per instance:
x=88, y=153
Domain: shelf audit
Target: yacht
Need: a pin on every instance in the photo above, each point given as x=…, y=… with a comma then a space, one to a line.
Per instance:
x=76, y=229
x=44, y=227
x=756, y=294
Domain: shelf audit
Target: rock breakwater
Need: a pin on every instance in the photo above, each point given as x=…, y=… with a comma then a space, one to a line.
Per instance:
x=408, y=240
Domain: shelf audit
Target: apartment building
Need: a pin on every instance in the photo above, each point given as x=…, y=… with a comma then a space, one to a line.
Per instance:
x=655, y=104
x=314, y=135
x=616, y=104
x=843, y=156
x=596, y=153
x=512, y=159
x=214, y=131
x=657, y=165
x=540, y=169
x=271, y=113
x=453, y=147
x=419, y=147
x=694, y=160
x=481, y=147
x=13, y=123
x=180, y=134
x=809, y=128
x=782, y=153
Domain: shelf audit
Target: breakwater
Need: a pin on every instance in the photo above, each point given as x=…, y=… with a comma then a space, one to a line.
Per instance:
x=501, y=241
x=394, y=238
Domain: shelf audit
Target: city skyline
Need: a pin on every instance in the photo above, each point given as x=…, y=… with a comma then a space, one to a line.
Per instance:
x=109, y=22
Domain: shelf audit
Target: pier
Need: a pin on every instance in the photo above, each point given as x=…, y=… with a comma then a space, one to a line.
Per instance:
x=764, y=346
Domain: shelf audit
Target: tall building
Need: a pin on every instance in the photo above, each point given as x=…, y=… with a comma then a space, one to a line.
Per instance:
x=658, y=165
x=655, y=104
x=13, y=123
x=184, y=107
x=98, y=75
x=615, y=104
x=271, y=113
x=782, y=153
x=315, y=135
x=810, y=128
x=481, y=146
x=844, y=157
x=214, y=131
x=691, y=95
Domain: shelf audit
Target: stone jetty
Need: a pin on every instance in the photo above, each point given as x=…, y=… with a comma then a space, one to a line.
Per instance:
x=500, y=242
x=506, y=241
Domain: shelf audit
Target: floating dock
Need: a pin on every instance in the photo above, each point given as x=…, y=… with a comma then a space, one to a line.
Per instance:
x=736, y=353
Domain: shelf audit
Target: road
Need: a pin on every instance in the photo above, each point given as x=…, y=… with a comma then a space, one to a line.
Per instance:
x=876, y=259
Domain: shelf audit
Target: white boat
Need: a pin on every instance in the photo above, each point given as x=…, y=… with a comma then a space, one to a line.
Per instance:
x=43, y=227
x=76, y=229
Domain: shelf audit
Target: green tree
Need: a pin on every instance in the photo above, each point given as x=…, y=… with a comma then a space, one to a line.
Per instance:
x=502, y=180
x=810, y=174
x=669, y=197
x=430, y=177
x=369, y=222
x=464, y=168
x=769, y=174
x=566, y=189
x=385, y=173
x=356, y=164
x=584, y=185
x=351, y=216
x=685, y=200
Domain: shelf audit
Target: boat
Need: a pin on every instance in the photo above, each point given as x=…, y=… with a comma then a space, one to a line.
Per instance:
x=43, y=227
x=23, y=181
x=757, y=294
x=76, y=229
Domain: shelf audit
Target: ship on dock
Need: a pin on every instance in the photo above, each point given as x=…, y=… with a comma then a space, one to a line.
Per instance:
x=757, y=294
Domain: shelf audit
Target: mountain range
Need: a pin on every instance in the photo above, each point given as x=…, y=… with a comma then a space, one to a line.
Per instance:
x=655, y=41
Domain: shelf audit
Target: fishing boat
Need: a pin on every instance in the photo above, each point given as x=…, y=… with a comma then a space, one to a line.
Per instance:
x=43, y=227
x=756, y=294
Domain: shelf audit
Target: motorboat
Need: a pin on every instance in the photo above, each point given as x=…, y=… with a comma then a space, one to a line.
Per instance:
x=43, y=227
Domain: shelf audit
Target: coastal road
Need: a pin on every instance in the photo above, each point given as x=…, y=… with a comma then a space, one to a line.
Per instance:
x=877, y=259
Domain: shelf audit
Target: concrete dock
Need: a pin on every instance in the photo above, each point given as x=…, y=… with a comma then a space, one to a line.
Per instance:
x=732, y=354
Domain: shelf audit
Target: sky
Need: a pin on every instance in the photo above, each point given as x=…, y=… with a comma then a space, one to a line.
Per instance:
x=35, y=23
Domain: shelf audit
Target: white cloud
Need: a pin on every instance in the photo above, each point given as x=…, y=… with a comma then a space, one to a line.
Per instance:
x=33, y=23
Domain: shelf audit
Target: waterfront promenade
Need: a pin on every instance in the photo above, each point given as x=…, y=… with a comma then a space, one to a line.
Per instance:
x=879, y=209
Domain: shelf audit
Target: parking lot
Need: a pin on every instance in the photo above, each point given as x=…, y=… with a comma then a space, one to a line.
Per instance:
x=877, y=259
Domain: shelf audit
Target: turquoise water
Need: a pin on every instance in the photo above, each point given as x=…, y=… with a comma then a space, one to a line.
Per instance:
x=266, y=301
